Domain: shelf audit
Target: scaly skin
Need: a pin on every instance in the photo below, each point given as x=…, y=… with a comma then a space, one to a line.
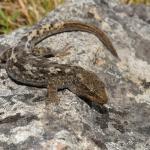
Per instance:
x=26, y=68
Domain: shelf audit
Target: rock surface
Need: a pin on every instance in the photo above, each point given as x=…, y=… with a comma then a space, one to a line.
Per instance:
x=25, y=121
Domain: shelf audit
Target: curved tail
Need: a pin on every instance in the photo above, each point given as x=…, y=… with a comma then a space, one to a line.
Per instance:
x=47, y=30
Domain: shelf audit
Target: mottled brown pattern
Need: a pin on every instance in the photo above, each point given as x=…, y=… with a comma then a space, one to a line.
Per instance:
x=25, y=67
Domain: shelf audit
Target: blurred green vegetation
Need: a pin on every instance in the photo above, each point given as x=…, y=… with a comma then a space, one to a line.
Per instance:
x=146, y=2
x=16, y=13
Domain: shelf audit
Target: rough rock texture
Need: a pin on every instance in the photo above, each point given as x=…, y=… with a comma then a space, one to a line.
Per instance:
x=124, y=123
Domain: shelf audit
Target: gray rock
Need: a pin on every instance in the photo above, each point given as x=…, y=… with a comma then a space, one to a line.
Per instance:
x=124, y=123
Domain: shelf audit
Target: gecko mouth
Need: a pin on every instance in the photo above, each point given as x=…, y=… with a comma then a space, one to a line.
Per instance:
x=95, y=105
x=98, y=100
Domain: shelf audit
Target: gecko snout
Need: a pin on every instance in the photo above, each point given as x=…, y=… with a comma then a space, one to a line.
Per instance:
x=102, y=96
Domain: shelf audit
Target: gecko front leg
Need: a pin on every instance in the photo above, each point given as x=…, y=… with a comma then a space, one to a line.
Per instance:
x=52, y=94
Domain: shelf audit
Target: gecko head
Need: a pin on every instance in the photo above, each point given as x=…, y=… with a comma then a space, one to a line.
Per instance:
x=92, y=88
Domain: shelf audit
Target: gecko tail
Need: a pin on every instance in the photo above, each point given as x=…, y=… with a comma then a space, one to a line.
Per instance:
x=48, y=30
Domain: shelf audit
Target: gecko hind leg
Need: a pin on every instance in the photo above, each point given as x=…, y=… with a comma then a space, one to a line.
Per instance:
x=48, y=52
x=43, y=52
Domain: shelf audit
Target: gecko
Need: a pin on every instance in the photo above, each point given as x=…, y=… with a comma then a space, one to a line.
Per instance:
x=25, y=65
